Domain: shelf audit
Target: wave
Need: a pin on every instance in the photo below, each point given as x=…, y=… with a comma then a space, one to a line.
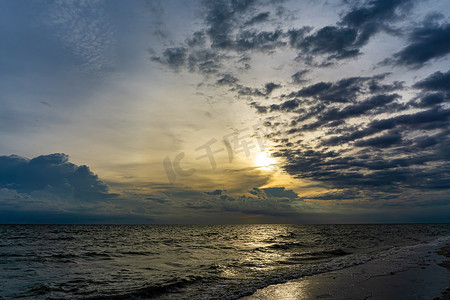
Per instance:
x=280, y=246
x=235, y=288
x=153, y=291
x=101, y=255
x=11, y=255
x=38, y=289
x=143, y=253
x=219, y=287
x=64, y=255
x=62, y=238
x=325, y=253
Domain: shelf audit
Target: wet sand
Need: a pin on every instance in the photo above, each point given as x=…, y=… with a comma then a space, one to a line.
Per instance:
x=413, y=273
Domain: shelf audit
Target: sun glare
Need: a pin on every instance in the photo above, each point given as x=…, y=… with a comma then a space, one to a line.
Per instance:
x=264, y=161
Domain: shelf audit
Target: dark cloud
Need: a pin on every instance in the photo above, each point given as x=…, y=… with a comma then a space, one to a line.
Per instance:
x=330, y=104
x=276, y=201
x=358, y=108
x=280, y=192
x=53, y=174
x=229, y=28
x=388, y=163
x=259, y=18
x=383, y=141
x=215, y=193
x=290, y=105
x=206, y=55
x=375, y=13
x=424, y=120
x=248, y=91
x=174, y=57
x=296, y=36
x=270, y=86
x=338, y=42
x=380, y=170
x=344, y=90
x=425, y=142
x=350, y=34
x=426, y=43
x=348, y=194
x=221, y=19
x=437, y=81
x=430, y=100
x=158, y=200
x=376, y=104
x=259, y=108
x=205, y=62
x=227, y=79
x=376, y=87
x=313, y=90
x=262, y=40
x=385, y=155
x=198, y=39
x=299, y=77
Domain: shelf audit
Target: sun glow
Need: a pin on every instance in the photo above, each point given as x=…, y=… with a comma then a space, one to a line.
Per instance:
x=264, y=161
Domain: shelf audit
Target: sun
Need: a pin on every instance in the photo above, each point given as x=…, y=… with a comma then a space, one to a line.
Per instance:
x=264, y=161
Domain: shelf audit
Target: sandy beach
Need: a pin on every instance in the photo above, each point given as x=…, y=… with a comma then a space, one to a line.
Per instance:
x=419, y=272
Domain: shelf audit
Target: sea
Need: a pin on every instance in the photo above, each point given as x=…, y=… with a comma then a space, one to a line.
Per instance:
x=186, y=261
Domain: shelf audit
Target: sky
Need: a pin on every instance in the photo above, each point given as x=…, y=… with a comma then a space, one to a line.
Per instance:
x=227, y=111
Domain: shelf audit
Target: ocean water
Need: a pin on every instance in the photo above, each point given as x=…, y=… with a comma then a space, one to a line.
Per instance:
x=185, y=261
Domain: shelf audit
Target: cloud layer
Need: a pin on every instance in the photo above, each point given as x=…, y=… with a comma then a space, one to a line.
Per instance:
x=351, y=98
x=365, y=132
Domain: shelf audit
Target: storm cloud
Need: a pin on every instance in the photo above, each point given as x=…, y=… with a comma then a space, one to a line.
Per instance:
x=426, y=43
x=53, y=174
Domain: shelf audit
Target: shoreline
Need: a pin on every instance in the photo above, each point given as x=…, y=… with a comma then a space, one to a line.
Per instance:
x=445, y=251
x=417, y=272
